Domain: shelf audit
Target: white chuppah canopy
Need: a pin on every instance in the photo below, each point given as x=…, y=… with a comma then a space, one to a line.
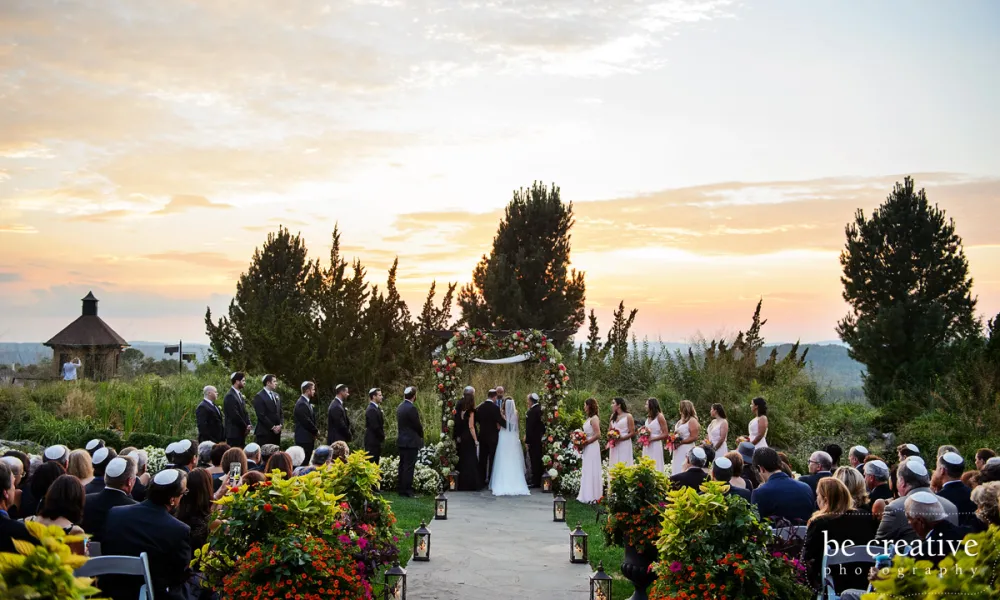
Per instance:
x=504, y=361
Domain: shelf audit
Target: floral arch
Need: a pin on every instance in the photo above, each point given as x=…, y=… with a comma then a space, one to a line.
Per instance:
x=464, y=346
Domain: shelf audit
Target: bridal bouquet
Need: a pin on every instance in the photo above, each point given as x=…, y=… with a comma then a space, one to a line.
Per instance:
x=644, y=435
x=742, y=439
x=613, y=436
x=578, y=438
x=670, y=442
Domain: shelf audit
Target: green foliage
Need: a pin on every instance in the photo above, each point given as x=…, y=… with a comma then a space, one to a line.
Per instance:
x=633, y=501
x=44, y=571
x=433, y=318
x=907, y=281
x=526, y=282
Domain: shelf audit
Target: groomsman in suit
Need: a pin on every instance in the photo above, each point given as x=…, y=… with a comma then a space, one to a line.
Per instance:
x=410, y=439
x=267, y=405
x=305, y=420
x=534, y=430
x=338, y=424
x=490, y=421
x=210, y=427
x=235, y=407
x=374, y=425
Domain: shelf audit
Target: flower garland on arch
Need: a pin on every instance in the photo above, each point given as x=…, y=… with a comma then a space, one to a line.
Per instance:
x=464, y=345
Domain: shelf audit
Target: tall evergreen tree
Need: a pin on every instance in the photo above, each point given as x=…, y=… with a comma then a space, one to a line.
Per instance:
x=388, y=319
x=270, y=315
x=907, y=281
x=594, y=348
x=526, y=281
x=433, y=318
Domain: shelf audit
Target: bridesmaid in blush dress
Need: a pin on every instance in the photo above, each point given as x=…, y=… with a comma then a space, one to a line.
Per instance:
x=687, y=429
x=718, y=430
x=658, y=431
x=592, y=477
x=758, y=425
x=622, y=421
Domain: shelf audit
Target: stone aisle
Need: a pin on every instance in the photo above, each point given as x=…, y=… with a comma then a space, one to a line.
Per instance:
x=496, y=548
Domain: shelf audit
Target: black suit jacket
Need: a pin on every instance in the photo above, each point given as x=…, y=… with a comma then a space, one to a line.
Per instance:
x=692, y=478
x=942, y=533
x=881, y=492
x=96, y=509
x=210, y=427
x=146, y=527
x=305, y=422
x=489, y=417
x=813, y=480
x=95, y=486
x=338, y=424
x=411, y=431
x=374, y=426
x=742, y=493
x=13, y=530
x=534, y=429
x=960, y=495
x=237, y=419
x=268, y=413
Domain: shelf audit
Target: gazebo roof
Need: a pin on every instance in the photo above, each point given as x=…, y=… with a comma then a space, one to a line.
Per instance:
x=88, y=330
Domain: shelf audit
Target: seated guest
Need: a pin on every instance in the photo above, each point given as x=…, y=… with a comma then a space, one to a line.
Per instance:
x=990, y=471
x=786, y=465
x=252, y=479
x=834, y=451
x=14, y=505
x=737, y=481
x=63, y=507
x=119, y=479
x=855, y=483
x=93, y=446
x=205, y=454
x=267, y=451
x=971, y=479
x=340, y=451
x=746, y=450
x=141, y=474
x=234, y=455
x=951, y=466
x=779, y=496
x=927, y=518
x=57, y=454
x=820, y=467
x=905, y=451
x=693, y=474
x=10, y=529
x=252, y=450
x=857, y=456
x=195, y=508
x=297, y=454
x=81, y=467
x=945, y=449
x=149, y=527
x=709, y=457
x=911, y=478
x=836, y=520
x=877, y=480
x=102, y=457
x=983, y=455
x=987, y=500
x=216, y=471
x=41, y=479
x=185, y=455
x=320, y=457
x=722, y=470
x=280, y=461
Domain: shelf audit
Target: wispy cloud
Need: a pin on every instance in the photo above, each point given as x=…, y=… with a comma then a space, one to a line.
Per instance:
x=16, y=228
x=179, y=204
x=213, y=260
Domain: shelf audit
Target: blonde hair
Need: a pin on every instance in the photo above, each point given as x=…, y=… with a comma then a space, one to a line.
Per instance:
x=687, y=410
x=837, y=496
x=855, y=483
x=80, y=465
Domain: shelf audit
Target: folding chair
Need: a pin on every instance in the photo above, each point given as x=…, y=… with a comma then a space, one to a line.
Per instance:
x=857, y=554
x=120, y=565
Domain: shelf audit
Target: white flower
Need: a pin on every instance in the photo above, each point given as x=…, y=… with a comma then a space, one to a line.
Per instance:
x=553, y=473
x=440, y=375
x=451, y=422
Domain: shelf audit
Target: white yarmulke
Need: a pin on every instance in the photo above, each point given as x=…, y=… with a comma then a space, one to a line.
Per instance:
x=408, y=390
x=13, y=461
x=723, y=463
x=861, y=449
x=55, y=452
x=919, y=459
x=913, y=448
x=171, y=448
x=182, y=446
x=372, y=391
x=100, y=456
x=993, y=461
x=952, y=458
x=251, y=448
x=116, y=467
x=880, y=464
x=699, y=453
x=924, y=498
x=166, y=477
x=92, y=444
x=917, y=468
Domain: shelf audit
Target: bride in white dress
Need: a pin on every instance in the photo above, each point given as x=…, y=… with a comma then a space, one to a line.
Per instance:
x=687, y=429
x=508, y=466
x=758, y=425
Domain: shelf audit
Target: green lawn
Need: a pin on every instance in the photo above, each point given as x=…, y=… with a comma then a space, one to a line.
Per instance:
x=577, y=512
x=409, y=512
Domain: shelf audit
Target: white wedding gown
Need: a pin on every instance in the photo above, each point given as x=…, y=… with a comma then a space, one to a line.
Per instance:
x=508, y=466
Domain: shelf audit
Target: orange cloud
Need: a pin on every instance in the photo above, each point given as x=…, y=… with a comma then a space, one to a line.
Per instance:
x=16, y=228
x=183, y=203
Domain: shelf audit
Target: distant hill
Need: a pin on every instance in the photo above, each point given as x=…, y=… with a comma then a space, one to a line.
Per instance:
x=829, y=364
x=31, y=353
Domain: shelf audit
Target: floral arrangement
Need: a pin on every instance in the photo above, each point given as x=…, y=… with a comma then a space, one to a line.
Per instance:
x=561, y=457
x=635, y=497
x=578, y=438
x=569, y=484
x=644, y=434
x=613, y=436
x=428, y=455
x=715, y=546
x=157, y=459
x=426, y=480
x=670, y=442
x=44, y=570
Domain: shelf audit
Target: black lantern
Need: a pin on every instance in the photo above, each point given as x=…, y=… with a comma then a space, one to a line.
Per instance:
x=441, y=508
x=422, y=543
x=395, y=583
x=546, y=482
x=578, y=545
x=452, y=481
x=559, y=509
x=600, y=584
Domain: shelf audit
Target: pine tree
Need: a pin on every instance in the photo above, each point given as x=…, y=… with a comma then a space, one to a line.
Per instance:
x=594, y=348
x=526, y=282
x=433, y=318
x=388, y=320
x=907, y=281
x=618, y=336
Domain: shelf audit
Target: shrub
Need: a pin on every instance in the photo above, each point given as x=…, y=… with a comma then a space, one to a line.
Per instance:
x=44, y=570
x=425, y=479
x=142, y=440
x=633, y=502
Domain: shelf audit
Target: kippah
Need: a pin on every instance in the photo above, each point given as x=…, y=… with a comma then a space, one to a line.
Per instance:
x=995, y=460
x=166, y=477
x=861, y=449
x=533, y=396
x=723, y=463
x=917, y=468
x=880, y=464
x=93, y=444
x=304, y=384
x=698, y=452
x=912, y=448
x=251, y=448
x=171, y=448
x=100, y=456
x=919, y=459
x=55, y=452
x=372, y=391
x=264, y=378
x=924, y=498
x=182, y=446
x=12, y=461
x=339, y=387
x=408, y=389
x=952, y=458
x=491, y=391
x=116, y=467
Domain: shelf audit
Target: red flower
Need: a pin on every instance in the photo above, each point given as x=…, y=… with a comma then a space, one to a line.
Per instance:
x=267, y=507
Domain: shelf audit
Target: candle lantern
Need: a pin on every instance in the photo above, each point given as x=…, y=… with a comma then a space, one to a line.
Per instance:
x=422, y=543
x=441, y=508
x=546, y=482
x=578, y=545
x=559, y=509
x=452, y=481
x=395, y=583
x=600, y=584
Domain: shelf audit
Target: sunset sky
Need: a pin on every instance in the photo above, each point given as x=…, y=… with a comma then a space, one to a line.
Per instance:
x=714, y=150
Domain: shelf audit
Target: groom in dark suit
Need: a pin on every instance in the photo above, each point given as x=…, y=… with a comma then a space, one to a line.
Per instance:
x=267, y=405
x=489, y=421
x=534, y=431
x=235, y=407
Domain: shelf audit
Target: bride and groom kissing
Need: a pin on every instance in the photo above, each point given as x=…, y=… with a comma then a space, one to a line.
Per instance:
x=489, y=443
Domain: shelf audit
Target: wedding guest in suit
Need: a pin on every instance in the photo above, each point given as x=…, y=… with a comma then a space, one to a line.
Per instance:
x=410, y=439
x=534, y=431
x=210, y=425
x=951, y=466
x=338, y=423
x=693, y=474
x=911, y=478
x=490, y=421
x=10, y=529
x=928, y=519
x=857, y=456
x=119, y=480
x=305, y=420
x=149, y=527
x=779, y=496
x=102, y=458
x=877, y=481
x=838, y=520
x=185, y=455
x=267, y=406
x=254, y=463
x=374, y=425
x=722, y=470
x=820, y=467
x=58, y=454
x=141, y=477
x=235, y=407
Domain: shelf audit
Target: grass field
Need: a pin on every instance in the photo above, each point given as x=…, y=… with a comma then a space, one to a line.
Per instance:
x=586, y=515
x=409, y=513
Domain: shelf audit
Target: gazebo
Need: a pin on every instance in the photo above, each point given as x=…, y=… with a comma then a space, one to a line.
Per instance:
x=91, y=340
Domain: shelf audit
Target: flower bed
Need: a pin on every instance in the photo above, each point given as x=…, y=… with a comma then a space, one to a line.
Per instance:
x=633, y=502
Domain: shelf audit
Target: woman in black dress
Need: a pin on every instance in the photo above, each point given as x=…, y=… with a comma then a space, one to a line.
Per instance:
x=468, y=457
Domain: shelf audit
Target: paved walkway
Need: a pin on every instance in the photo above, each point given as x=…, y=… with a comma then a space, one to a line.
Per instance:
x=497, y=548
